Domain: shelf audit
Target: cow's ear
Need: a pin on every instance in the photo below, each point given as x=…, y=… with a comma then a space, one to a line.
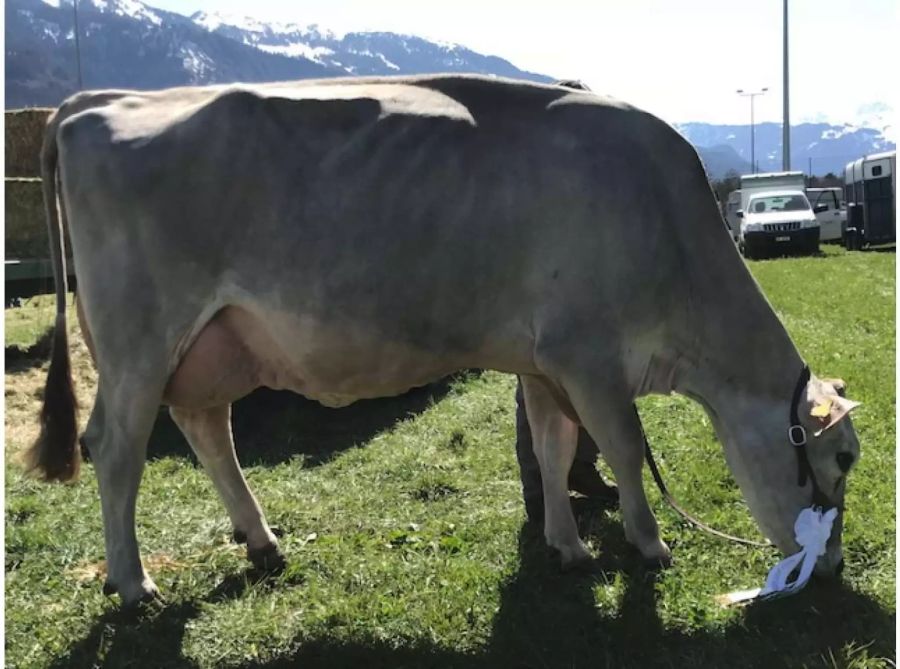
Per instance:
x=839, y=385
x=829, y=411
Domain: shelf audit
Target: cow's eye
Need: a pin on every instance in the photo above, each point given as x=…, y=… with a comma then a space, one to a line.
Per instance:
x=845, y=461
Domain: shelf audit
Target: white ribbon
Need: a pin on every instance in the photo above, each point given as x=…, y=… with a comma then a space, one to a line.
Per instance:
x=811, y=530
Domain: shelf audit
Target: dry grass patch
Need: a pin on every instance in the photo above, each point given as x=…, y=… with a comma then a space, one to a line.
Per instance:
x=25, y=378
x=93, y=571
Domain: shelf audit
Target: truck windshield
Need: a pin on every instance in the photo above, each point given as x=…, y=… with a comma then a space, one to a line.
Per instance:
x=761, y=205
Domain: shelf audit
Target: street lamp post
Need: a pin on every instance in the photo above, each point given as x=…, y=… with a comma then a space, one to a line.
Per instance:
x=786, y=121
x=77, y=44
x=751, y=95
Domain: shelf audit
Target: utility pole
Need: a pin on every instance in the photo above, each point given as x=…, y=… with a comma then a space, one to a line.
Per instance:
x=77, y=44
x=786, y=122
x=751, y=95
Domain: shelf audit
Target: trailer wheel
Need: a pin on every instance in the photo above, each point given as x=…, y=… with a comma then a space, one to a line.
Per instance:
x=853, y=240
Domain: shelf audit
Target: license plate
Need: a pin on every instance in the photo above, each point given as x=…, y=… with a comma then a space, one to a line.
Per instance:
x=783, y=239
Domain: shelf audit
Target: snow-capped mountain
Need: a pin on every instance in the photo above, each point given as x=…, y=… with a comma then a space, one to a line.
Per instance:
x=878, y=115
x=822, y=146
x=369, y=53
x=128, y=44
x=125, y=8
x=287, y=39
x=125, y=43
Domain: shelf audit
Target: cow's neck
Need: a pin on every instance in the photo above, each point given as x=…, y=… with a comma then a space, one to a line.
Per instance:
x=734, y=347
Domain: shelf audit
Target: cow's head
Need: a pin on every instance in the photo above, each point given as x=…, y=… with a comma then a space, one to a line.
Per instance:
x=769, y=461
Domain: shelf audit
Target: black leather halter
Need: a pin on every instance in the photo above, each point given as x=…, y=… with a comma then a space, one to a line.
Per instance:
x=798, y=439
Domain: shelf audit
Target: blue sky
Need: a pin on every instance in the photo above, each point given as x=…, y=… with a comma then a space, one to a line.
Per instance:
x=682, y=60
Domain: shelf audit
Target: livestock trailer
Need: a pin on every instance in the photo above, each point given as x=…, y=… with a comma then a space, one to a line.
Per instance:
x=870, y=189
x=732, y=206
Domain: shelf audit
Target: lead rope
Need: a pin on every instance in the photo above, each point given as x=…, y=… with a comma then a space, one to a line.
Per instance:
x=648, y=456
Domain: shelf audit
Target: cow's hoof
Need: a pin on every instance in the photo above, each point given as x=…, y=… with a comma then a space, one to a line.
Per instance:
x=653, y=550
x=658, y=556
x=579, y=565
x=146, y=595
x=573, y=557
x=268, y=558
x=657, y=563
x=150, y=600
x=149, y=605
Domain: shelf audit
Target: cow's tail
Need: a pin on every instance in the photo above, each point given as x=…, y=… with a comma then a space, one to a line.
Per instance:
x=55, y=455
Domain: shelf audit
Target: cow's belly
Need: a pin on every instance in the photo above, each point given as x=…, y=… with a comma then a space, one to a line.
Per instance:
x=238, y=351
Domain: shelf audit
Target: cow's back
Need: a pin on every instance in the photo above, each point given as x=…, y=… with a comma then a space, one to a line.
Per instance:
x=437, y=214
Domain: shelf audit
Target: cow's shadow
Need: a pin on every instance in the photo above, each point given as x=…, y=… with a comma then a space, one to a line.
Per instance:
x=545, y=619
x=274, y=426
x=19, y=359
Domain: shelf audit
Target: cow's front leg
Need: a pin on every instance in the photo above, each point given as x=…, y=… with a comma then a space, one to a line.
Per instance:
x=613, y=422
x=555, y=438
x=116, y=437
x=209, y=433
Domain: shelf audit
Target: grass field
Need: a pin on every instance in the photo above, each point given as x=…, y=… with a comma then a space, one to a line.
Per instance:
x=405, y=535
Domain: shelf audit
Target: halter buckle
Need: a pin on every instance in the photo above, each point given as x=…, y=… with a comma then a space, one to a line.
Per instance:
x=797, y=435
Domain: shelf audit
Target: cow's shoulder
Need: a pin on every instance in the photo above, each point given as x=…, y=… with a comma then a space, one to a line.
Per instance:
x=564, y=107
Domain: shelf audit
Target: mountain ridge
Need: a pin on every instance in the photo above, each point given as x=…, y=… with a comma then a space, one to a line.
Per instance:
x=129, y=44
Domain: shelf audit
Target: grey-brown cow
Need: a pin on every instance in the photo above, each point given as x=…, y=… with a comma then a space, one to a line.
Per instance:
x=353, y=238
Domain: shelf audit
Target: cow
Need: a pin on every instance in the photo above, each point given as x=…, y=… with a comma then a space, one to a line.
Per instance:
x=354, y=238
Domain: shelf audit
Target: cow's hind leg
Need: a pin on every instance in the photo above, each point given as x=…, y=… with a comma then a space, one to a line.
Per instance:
x=555, y=438
x=116, y=437
x=209, y=433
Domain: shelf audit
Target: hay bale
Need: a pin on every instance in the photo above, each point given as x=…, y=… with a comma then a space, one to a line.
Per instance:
x=26, y=230
x=24, y=136
x=26, y=225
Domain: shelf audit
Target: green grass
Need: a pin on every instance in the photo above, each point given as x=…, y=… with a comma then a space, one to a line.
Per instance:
x=412, y=550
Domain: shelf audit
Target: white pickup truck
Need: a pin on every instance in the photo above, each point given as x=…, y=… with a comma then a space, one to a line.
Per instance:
x=828, y=204
x=776, y=217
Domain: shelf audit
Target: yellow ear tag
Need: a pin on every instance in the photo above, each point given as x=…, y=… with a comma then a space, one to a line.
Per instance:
x=822, y=410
